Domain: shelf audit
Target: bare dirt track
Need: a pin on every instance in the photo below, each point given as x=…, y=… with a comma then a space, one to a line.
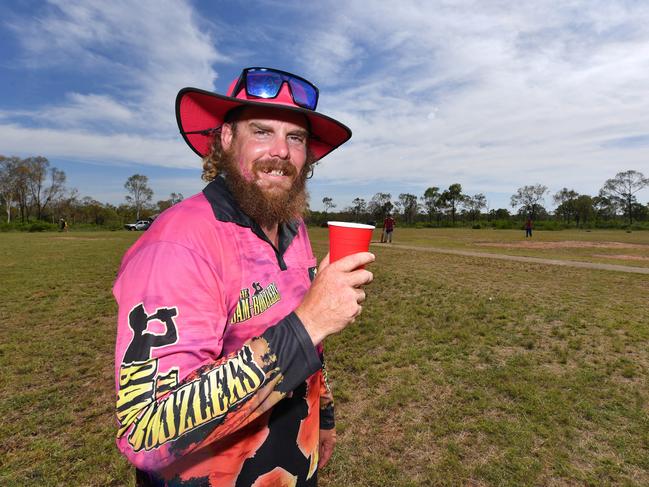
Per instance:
x=622, y=257
x=566, y=244
x=535, y=260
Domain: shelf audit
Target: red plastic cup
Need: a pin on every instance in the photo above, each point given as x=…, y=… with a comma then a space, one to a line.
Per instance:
x=348, y=238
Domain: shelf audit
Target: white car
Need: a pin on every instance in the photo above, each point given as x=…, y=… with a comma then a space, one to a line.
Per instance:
x=138, y=225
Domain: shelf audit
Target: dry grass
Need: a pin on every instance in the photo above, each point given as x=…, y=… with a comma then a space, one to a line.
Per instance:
x=461, y=371
x=526, y=375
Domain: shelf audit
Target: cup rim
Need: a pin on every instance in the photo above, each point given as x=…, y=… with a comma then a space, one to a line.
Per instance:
x=351, y=225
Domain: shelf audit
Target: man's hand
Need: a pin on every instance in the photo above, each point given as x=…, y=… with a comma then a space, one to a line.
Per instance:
x=335, y=297
x=327, y=443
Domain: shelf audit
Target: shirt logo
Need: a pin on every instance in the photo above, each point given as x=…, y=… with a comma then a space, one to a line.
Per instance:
x=254, y=304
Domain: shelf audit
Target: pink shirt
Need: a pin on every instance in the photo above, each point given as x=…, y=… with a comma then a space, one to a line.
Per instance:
x=207, y=345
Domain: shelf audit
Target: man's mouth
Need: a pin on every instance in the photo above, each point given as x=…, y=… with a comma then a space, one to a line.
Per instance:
x=274, y=172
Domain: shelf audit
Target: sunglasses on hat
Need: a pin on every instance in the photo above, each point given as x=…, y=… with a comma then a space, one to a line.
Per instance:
x=267, y=83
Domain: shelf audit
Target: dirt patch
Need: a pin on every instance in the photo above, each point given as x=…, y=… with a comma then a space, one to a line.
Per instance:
x=622, y=257
x=567, y=244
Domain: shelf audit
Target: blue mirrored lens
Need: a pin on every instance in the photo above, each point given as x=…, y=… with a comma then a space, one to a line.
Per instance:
x=263, y=84
x=303, y=93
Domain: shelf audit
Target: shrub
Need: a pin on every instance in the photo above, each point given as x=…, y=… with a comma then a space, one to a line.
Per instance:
x=503, y=224
x=41, y=227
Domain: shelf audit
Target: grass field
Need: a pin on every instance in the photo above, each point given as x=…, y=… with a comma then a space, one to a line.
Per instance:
x=461, y=370
x=603, y=246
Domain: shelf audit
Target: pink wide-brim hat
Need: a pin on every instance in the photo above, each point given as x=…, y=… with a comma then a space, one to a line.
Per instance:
x=199, y=113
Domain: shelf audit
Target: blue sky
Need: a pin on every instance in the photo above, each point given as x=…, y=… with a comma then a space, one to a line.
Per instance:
x=493, y=95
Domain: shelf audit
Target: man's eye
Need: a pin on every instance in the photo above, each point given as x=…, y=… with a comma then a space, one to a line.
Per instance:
x=298, y=139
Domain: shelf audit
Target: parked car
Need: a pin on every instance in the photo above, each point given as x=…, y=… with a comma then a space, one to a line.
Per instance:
x=138, y=225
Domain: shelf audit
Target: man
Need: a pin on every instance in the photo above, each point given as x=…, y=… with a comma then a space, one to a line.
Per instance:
x=219, y=363
x=388, y=228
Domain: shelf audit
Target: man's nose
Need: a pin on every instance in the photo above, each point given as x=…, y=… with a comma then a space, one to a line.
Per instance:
x=279, y=147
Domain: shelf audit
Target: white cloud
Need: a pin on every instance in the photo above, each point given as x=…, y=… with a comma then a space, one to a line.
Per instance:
x=521, y=93
x=494, y=95
x=96, y=147
x=143, y=53
x=83, y=109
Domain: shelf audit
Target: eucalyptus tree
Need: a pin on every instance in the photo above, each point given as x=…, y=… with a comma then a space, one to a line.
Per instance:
x=359, y=207
x=431, y=202
x=140, y=194
x=328, y=203
x=529, y=198
x=622, y=189
x=409, y=206
x=475, y=204
x=380, y=205
x=565, y=200
x=452, y=198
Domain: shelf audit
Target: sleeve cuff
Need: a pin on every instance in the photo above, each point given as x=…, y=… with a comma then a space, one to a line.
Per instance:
x=327, y=421
x=297, y=358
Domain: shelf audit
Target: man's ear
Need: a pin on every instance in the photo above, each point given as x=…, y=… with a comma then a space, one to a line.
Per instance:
x=226, y=136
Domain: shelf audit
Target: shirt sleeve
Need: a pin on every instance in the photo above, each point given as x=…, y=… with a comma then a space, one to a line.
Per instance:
x=175, y=391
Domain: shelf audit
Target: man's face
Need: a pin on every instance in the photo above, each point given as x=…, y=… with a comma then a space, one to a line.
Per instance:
x=270, y=147
x=265, y=163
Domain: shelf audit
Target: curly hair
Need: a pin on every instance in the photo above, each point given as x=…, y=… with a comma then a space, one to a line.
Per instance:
x=212, y=160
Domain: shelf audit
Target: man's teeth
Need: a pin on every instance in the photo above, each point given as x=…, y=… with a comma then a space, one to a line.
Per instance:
x=276, y=172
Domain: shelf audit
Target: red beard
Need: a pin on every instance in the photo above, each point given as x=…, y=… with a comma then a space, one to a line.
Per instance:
x=267, y=208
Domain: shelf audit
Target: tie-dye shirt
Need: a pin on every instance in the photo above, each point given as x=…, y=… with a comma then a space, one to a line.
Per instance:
x=218, y=382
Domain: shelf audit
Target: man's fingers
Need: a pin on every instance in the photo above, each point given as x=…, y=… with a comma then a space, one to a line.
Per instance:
x=360, y=296
x=360, y=277
x=354, y=261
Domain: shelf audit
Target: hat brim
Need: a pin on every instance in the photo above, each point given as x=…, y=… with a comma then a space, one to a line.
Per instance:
x=199, y=110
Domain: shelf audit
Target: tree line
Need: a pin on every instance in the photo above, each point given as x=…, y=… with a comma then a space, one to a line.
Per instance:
x=33, y=191
x=616, y=204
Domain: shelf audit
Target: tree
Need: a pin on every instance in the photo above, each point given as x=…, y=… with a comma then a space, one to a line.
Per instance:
x=605, y=208
x=92, y=210
x=139, y=192
x=37, y=169
x=56, y=189
x=431, y=201
x=583, y=208
x=500, y=214
x=25, y=182
x=565, y=201
x=475, y=204
x=176, y=198
x=168, y=203
x=8, y=175
x=623, y=187
x=328, y=204
x=380, y=205
x=528, y=199
x=409, y=206
x=21, y=188
x=452, y=198
x=358, y=208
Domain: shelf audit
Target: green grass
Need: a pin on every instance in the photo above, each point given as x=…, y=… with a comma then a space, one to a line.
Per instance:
x=603, y=246
x=461, y=370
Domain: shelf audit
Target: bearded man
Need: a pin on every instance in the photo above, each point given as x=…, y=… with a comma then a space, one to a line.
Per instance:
x=221, y=379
